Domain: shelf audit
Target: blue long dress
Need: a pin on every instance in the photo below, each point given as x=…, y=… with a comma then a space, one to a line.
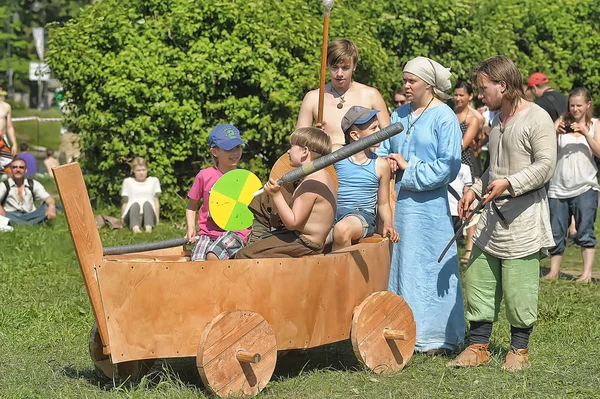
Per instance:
x=432, y=147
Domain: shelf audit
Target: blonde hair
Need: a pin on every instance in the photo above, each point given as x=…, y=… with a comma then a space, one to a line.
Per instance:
x=316, y=140
x=502, y=69
x=341, y=51
x=138, y=161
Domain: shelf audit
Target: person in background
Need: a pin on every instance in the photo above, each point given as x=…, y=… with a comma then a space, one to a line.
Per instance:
x=399, y=99
x=50, y=162
x=553, y=102
x=573, y=189
x=28, y=158
x=140, y=193
x=19, y=194
x=7, y=130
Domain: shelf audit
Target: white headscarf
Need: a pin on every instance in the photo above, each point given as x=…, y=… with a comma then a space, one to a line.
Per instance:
x=432, y=73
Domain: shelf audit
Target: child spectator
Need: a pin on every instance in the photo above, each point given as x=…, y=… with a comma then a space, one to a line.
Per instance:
x=213, y=243
x=140, y=193
x=363, y=184
x=310, y=217
x=50, y=162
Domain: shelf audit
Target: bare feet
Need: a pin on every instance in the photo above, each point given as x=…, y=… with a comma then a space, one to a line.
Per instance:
x=584, y=279
x=550, y=277
x=148, y=229
x=136, y=229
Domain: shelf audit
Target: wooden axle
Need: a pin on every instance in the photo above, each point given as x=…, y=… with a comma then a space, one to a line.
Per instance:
x=247, y=357
x=396, y=335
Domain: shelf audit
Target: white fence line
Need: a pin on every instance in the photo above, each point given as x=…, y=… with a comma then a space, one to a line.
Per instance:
x=36, y=118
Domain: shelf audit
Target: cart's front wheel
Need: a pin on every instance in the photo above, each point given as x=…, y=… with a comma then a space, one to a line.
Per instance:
x=383, y=332
x=103, y=364
x=237, y=353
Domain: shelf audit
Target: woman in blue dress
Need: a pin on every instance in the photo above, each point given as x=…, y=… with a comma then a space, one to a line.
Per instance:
x=426, y=158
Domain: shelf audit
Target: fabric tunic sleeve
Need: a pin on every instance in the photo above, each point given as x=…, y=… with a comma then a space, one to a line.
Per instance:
x=423, y=175
x=542, y=138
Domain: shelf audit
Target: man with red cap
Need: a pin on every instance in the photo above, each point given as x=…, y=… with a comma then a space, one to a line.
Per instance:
x=553, y=102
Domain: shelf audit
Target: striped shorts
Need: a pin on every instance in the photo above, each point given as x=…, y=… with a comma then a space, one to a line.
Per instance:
x=223, y=247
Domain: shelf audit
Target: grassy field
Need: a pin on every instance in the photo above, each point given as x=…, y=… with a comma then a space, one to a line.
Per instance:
x=45, y=319
x=43, y=134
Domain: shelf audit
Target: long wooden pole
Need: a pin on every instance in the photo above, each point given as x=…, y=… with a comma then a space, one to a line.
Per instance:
x=328, y=5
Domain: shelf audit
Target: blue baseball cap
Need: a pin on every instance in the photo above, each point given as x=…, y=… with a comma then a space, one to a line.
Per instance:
x=225, y=136
x=357, y=115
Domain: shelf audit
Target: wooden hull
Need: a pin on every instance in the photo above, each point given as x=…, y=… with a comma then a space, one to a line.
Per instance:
x=157, y=304
x=158, y=308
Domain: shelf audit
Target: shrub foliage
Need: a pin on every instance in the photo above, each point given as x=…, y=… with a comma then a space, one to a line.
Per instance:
x=150, y=78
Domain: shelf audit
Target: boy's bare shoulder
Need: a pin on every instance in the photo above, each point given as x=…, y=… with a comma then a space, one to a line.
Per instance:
x=315, y=182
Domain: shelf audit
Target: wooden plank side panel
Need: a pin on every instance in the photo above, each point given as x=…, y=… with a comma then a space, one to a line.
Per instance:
x=159, y=310
x=86, y=240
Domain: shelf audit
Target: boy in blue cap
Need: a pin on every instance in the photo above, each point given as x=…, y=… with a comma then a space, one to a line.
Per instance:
x=213, y=243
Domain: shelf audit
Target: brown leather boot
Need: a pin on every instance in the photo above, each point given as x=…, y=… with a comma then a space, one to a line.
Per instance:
x=473, y=355
x=516, y=359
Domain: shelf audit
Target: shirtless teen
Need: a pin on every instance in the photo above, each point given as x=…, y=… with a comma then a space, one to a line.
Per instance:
x=341, y=93
x=6, y=128
x=310, y=217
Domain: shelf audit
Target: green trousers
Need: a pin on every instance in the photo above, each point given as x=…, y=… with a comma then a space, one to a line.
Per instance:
x=488, y=279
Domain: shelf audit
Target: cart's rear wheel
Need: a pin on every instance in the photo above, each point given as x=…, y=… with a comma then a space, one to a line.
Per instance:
x=237, y=353
x=102, y=362
x=383, y=332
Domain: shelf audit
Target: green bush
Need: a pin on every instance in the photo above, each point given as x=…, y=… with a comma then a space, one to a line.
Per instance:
x=150, y=78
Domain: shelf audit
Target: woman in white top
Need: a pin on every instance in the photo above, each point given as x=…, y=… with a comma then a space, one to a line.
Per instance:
x=573, y=190
x=140, y=198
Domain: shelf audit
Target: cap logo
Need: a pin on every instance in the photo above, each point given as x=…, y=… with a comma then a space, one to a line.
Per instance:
x=230, y=133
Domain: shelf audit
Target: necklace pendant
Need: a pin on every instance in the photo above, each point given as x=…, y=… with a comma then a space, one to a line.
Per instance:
x=340, y=105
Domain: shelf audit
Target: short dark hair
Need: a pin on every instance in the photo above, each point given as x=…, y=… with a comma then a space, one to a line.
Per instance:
x=18, y=159
x=24, y=147
x=463, y=84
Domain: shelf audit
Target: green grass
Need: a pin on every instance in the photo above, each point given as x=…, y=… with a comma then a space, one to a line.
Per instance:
x=45, y=319
x=43, y=134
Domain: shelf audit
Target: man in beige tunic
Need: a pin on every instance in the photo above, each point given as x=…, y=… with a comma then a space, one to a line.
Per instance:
x=6, y=128
x=506, y=256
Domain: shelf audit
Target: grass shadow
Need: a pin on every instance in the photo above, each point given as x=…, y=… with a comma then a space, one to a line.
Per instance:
x=337, y=356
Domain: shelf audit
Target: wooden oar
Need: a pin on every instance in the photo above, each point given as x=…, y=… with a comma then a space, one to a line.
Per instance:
x=228, y=208
x=327, y=5
x=149, y=246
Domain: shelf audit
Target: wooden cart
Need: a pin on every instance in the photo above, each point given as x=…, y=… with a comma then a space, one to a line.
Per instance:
x=233, y=316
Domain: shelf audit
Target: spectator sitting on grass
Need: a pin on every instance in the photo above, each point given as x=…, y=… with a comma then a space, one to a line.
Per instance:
x=18, y=196
x=50, y=162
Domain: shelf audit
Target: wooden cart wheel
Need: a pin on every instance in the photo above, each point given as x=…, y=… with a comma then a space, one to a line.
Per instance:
x=102, y=363
x=237, y=353
x=383, y=332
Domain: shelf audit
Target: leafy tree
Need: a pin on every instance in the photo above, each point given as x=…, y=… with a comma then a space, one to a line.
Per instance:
x=152, y=77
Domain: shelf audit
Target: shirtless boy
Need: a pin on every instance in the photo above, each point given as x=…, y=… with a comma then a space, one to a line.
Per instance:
x=6, y=128
x=310, y=217
x=341, y=93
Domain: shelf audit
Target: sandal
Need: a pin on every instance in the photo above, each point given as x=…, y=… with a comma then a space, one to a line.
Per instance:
x=465, y=259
